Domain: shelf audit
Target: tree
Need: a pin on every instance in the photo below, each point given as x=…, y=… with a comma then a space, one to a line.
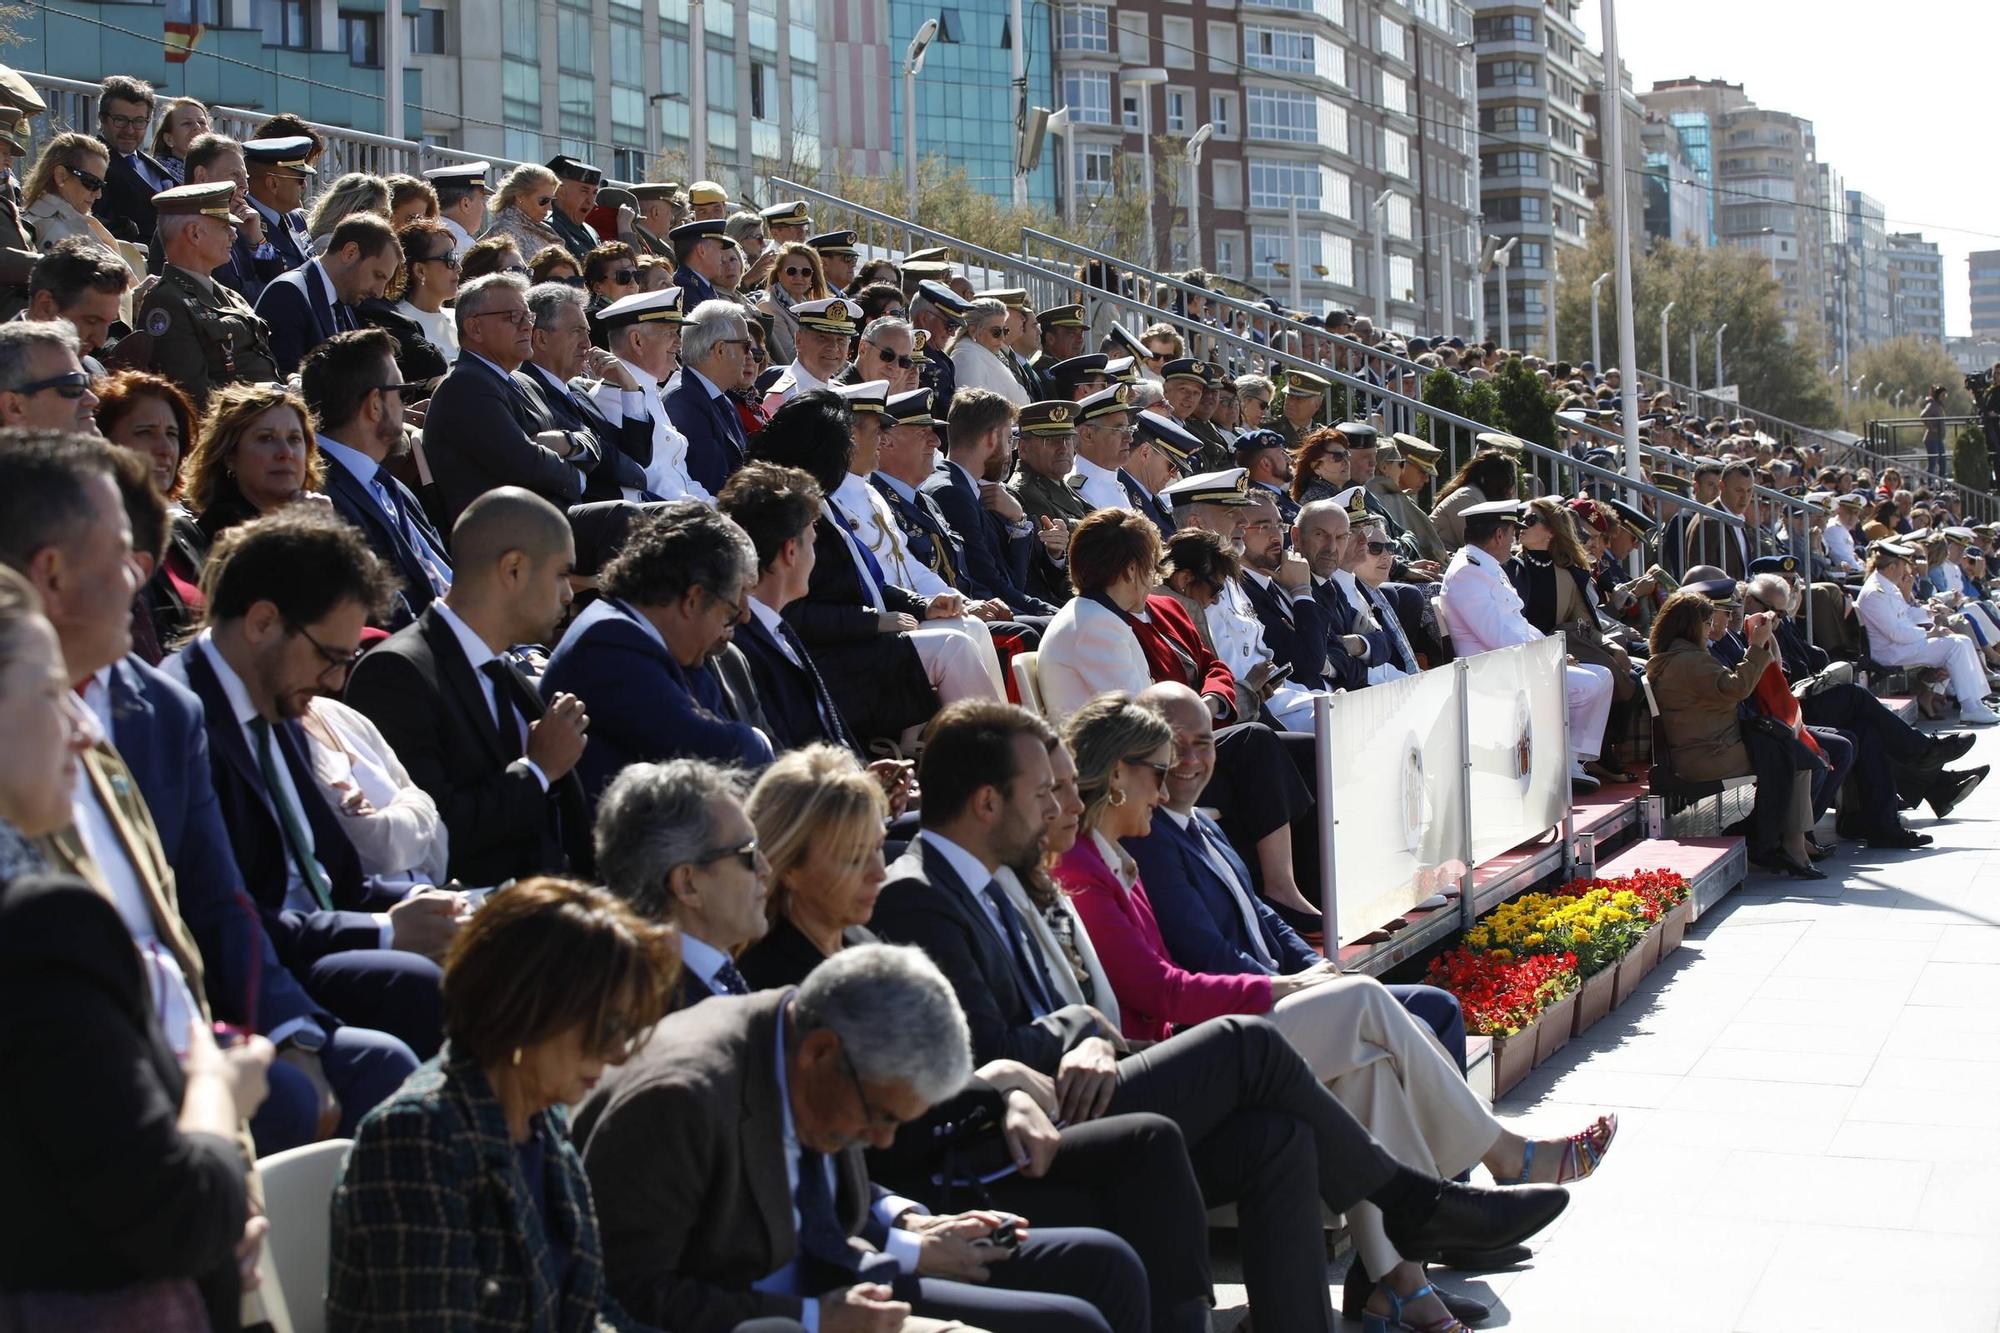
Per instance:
x=1907, y=366
x=1526, y=409
x=1773, y=371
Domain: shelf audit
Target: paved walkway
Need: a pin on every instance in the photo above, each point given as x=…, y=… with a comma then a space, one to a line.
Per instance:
x=1809, y=1094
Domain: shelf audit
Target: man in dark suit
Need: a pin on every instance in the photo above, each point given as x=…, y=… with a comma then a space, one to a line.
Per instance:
x=997, y=541
x=280, y=170
x=124, y=114
x=252, y=261
x=726, y=1163
x=1258, y=1126
x=1321, y=535
x=481, y=428
x=715, y=347
x=465, y=722
x=673, y=840
x=639, y=657
x=1279, y=585
x=285, y=625
x=355, y=393
x=700, y=247
x=309, y=304
x=577, y=184
x=561, y=351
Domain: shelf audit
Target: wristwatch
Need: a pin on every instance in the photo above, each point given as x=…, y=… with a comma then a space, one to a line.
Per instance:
x=311, y=1040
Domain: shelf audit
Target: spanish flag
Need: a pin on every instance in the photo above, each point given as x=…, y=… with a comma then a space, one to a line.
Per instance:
x=182, y=32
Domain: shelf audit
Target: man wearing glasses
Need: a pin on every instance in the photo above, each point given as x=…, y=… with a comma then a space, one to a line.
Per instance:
x=124, y=111
x=42, y=383
x=938, y=313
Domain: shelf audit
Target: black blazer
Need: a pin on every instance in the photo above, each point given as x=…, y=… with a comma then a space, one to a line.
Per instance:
x=300, y=316
x=259, y=841
x=104, y=1188
x=622, y=451
x=796, y=701
x=784, y=956
x=479, y=433
x=126, y=206
x=356, y=503
x=419, y=689
x=926, y=904
x=877, y=678
x=996, y=562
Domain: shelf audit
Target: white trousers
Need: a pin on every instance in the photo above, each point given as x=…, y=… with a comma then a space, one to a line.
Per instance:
x=1589, y=690
x=1959, y=656
x=959, y=657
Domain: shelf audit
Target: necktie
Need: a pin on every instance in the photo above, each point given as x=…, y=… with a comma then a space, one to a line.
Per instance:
x=830, y=720
x=343, y=317
x=1253, y=928
x=822, y=1239
x=872, y=568
x=433, y=567
x=1391, y=622
x=729, y=981
x=507, y=717
x=290, y=818
x=1027, y=961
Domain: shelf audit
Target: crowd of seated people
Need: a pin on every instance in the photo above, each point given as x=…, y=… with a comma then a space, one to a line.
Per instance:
x=388, y=564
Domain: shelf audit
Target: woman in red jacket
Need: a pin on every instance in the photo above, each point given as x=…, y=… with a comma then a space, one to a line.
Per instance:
x=1384, y=1065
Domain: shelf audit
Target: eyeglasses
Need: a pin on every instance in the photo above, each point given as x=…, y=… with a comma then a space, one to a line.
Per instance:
x=735, y=608
x=94, y=184
x=126, y=122
x=1380, y=548
x=389, y=388
x=448, y=259
x=572, y=280
x=1531, y=521
x=888, y=356
x=875, y=1119
x=70, y=384
x=744, y=343
x=892, y=312
x=517, y=318
x=745, y=856
x=520, y=269
x=338, y=663
x=1160, y=770
x=545, y=199
x=1337, y=455
x=625, y=275
x=793, y=271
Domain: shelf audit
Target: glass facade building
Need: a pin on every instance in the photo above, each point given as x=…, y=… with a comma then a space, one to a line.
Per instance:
x=965, y=103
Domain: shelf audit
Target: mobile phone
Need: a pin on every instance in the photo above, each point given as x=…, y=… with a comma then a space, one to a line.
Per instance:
x=229, y=1034
x=1663, y=579
x=1007, y=1235
x=474, y=899
x=1279, y=675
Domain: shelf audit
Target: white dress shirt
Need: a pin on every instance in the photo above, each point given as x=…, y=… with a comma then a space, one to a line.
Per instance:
x=461, y=239
x=1481, y=608
x=667, y=476
x=437, y=565
x=401, y=839
x=1839, y=542
x=703, y=959
x=1895, y=624
x=1101, y=486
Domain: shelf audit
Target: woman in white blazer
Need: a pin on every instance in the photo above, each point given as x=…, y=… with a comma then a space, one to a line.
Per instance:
x=1900, y=632
x=977, y=356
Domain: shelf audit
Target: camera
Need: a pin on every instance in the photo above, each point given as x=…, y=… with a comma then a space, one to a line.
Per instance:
x=1978, y=383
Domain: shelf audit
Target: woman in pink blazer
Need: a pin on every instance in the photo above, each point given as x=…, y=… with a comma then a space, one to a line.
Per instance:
x=1384, y=1065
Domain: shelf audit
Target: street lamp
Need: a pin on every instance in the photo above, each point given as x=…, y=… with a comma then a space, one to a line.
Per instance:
x=1194, y=146
x=1596, y=346
x=1143, y=80
x=1694, y=362
x=1381, y=211
x=1718, y=354
x=913, y=65
x=1666, y=352
x=1058, y=125
x=1501, y=259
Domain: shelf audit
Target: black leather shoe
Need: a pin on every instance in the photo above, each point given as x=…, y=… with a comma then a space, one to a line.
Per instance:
x=1355, y=1287
x=1899, y=839
x=1783, y=860
x=1486, y=1261
x=1952, y=788
x=1472, y=1217
x=1947, y=746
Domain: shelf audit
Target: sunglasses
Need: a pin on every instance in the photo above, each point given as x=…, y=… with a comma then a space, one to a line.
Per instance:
x=745, y=856
x=1380, y=548
x=886, y=356
x=1531, y=521
x=71, y=384
x=1160, y=771
x=624, y=276
x=448, y=259
x=792, y=271
x=94, y=184
x=545, y=199
x=1337, y=455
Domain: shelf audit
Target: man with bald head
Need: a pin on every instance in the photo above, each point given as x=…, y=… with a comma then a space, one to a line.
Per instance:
x=1320, y=534
x=463, y=719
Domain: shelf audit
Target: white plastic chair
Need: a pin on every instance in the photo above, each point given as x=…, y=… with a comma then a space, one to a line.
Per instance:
x=298, y=1192
x=1028, y=680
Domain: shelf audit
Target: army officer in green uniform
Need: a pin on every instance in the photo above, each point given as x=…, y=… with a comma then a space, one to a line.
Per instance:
x=191, y=328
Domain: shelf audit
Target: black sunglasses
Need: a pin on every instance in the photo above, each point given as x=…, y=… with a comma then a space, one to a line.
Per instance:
x=1380, y=548
x=390, y=388
x=745, y=856
x=792, y=272
x=624, y=275
x=1531, y=521
x=448, y=259
x=887, y=356
x=85, y=179
x=69, y=384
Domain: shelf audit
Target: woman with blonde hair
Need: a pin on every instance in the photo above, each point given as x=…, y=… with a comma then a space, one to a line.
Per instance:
x=1384, y=1065
x=520, y=209
x=182, y=121
x=257, y=452
x=356, y=192
x=61, y=188
x=798, y=276
x=410, y=200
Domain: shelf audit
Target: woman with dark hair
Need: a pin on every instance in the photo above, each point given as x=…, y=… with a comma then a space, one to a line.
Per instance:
x=1551, y=572
x=1882, y=523
x=1487, y=475
x=878, y=299
x=1319, y=466
x=552, y=263
x=427, y=281
x=257, y=452
x=610, y=273
x=127, y=1199
x=410, y=200
x=462, y=1201
x=1116, y=633
x=151, y=416
x=1699, y=700
x=749, y=403
x=491, y=254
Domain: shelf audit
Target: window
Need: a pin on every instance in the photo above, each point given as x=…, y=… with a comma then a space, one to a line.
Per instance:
x=424, y=33
x=1396, y=217
x=1135, y=42
x=1221, y=48
x=1511, y=119
x=1391, y=39
x=1087, y=93
x=1507, y=74
x=1128, y=109
x=1084, y=28
x=1179, y=100
x=286, y=23
x=1402, y=278
x=1337, y=254
x=361, y=38
x=1280, y=184
x=1529, y=254
x=1227, y=177
x=1177, y=43
x=1515, y=162
x=1272, y=246
x=1513, y=208
x=1222, y=114
x=1504, y=28
x=949, y=25
x=1229, y=253
x=1396, y=153
x=1395, y=92
x=1093, y=171
x=1285, y=115
x=1278, y=48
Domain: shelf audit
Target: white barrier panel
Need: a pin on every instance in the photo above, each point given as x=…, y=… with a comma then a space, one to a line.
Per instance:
x=1517, y=742
x=1400, y=835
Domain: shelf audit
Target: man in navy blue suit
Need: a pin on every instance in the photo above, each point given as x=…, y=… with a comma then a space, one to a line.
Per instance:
x=124, y=114
x=284, y=625
x=700, y=247
x=1279, y=585
x=309, y=304
x=280, y=170
x=615, y=416
x=1320, y=534
x=252, y=261
x=1209, y=913
x=638, y=658
x=355, y=394
x=998, y=536
x=715, y=348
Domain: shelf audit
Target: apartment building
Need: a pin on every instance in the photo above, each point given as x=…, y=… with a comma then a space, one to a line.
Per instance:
x=1982, y=276
x=1676, y=204
x=1916, y=287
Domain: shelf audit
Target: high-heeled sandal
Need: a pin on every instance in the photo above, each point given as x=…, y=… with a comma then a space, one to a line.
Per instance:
x=1582, y=1153
x=1382, y=1323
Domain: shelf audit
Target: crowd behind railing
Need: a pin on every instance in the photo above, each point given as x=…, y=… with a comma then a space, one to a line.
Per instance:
x=761, y=783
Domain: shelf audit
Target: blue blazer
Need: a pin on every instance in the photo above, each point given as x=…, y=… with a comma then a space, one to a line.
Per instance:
x=623, y=451
x=796, y=700
x=694, y=288
x=356, y=503
x=257, y=840
x=158, y=728
x=643, y=705
x=716, y=443
x=925, y=530
x=996, y=562
x=1295, y=632
x=1343, y=671
x=295, y=305
x=1149, y=505
x=1198, y=917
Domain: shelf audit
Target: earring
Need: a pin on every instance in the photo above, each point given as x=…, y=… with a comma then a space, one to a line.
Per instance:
x=517, y=1055
x=1117, y=796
